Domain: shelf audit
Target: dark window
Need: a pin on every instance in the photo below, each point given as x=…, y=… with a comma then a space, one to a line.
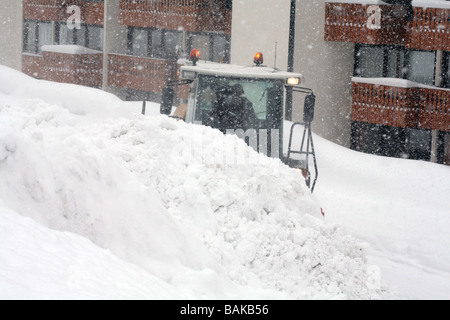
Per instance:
x=379, y=61
x=89, y=36
x=421, y=66
x=202, y=43
x=378, y=140
x=172, y=43
x=35, y=35
x=370, y=62
x=443, y=148
x=95, y=37
x=220, y=48
x=155, y=43
x=212, y=47
x=140, y=42
x=418, y=144
x=395, y=62
x=156, y=48
x=391, y=141
x=446, y=71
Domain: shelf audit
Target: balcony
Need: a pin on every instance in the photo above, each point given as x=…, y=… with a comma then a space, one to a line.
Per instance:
x=190, y=15
x=360, y=23
x=434, y=109
x=139, y=73
x=400, y=103
x=430, y=29
x=56, y=10
x=67, y=64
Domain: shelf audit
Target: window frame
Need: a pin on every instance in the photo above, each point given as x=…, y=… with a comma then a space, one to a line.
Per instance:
x=74, y=32
x=400, y=74
x=36, y=46
x=408, y=64
x=151, y=52
x=445, y=70
x=211, y=53
x=403, y=70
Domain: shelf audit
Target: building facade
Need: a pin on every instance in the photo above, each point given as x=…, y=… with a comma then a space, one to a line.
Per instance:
x=380, y=69
x=127, y=47
x=401, y=82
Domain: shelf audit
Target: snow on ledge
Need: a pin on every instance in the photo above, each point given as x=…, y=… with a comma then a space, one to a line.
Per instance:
x=416, y=3
x=395, y=82
x=442, y=4
x=363, y=2
x=69, y=49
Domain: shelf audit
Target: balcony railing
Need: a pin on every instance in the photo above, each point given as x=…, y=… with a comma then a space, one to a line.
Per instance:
x=81, y=69
x=190, y=15
x=434, y=109
x=139, y=73
x=430, y=29
x=400, y=103
x=360, y=23
x=56, y=10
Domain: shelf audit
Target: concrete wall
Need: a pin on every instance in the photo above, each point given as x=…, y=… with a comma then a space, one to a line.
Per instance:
x=328, y=69
x=256, y=26
x=11, y=17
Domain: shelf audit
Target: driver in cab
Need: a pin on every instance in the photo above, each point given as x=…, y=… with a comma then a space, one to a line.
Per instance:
x=233, y=110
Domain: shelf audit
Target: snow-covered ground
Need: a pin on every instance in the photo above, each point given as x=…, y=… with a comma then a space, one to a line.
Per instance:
x=400, y=207
x=98, y=201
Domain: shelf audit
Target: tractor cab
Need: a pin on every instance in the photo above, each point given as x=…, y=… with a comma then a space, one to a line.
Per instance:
x=247, y=101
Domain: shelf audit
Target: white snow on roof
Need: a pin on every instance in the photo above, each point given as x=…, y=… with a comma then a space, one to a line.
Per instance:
x=69, y=49
x=416, y=3
x=365, y=2
x=432, y=4
x=394, y=82
x=263, y=72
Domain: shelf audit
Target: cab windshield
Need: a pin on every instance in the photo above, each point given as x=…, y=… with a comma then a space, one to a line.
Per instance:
x=233, y=103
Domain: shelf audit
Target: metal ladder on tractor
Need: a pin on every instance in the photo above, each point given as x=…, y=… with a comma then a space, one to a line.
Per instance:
x=307, y=144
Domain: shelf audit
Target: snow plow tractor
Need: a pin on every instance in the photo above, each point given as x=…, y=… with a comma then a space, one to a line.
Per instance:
x=249, y=102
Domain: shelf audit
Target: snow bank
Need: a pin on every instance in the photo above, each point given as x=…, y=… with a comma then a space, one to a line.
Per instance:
x=78, y=100
x=401, y=207
x=158, y=193
x=39, y=263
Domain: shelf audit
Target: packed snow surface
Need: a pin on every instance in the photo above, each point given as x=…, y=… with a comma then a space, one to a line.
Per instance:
x=168, y=208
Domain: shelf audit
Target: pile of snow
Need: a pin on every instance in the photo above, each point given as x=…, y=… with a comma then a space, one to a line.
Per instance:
x=45, y=264
x=157, y=193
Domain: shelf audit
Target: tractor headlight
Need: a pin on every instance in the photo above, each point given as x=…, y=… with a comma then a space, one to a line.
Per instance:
x=187, y=74
x=293, y=81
